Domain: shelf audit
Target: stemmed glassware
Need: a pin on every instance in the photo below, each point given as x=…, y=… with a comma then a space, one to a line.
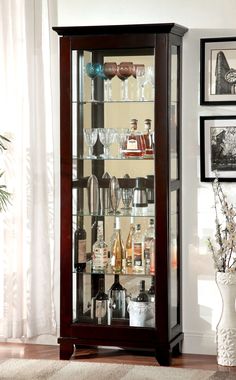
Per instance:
x=120, y=138
x=93, y=70
x=106, y=136
x=90, y=136
x=124, y=70
x=109, y=69
x=150, y=78
x=139, y=74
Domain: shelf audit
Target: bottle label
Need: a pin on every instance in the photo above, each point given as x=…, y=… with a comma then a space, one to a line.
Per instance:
x=100, y=309
x=137, y=254
x=100, y=257
x=82, y=251
x=132, y=144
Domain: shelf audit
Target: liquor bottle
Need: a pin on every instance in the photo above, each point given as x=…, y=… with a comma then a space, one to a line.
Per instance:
x=134, y=146
x=152, y=257
x=148, y=137
x=142, y=296
x=151, y=290
x=137, y=250
x=80, y=247
x=101, y=304
x=117, y=298
x=149, y=235
x=128, y=246
x=100, y=251
x=118, y=252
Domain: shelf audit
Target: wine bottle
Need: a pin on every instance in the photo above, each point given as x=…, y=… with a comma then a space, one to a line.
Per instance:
x=100, y=251
x=128, y=246
x=101, y=304
x=137, y=250
x=148, y=238
x=151, y=290
x=118, y=252
x=80, y=247
x=142, y=296
x=117, y=297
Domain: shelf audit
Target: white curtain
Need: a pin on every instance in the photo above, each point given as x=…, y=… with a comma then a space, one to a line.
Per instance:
x=27, y=228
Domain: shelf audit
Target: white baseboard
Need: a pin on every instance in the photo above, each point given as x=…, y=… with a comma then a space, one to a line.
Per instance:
x=195, y=343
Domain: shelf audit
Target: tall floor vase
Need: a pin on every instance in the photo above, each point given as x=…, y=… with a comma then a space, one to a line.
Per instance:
x=226, y=328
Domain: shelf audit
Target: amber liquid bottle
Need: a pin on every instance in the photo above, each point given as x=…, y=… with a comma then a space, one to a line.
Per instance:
x=134, y=146
x=128, y=246
x=80, y=247
x=118, y=252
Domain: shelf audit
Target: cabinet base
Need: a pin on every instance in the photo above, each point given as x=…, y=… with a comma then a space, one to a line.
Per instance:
x=163, y=353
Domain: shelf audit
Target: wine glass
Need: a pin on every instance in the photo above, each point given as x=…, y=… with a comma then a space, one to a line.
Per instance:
x=92, y=70
x=109, y=69
x=120, y=138
x=106, y=136
x=90, y=136
x=150, y=78
x=124, y=70
x=139, y=74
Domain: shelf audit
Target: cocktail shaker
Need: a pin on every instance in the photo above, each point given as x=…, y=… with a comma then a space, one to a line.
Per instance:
x=114, y=194
x=104, y=196
x=140, y=203
x=150, y=195
x=93, y=195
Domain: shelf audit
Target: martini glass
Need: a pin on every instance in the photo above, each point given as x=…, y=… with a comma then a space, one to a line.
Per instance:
x=124, y=70
x=93, y=70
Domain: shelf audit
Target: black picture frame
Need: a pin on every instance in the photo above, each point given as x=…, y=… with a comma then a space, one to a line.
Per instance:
x=218, y=148
x=218, y=71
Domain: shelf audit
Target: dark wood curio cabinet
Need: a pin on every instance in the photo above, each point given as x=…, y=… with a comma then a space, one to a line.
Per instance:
x=114, y=170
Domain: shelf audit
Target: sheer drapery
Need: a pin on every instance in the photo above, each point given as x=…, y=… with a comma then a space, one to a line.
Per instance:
x=27, y=227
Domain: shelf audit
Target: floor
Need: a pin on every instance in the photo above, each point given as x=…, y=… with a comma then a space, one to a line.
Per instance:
x=36, y=351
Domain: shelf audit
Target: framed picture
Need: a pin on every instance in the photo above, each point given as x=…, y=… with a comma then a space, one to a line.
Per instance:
x=218, y=148
x=218, y=71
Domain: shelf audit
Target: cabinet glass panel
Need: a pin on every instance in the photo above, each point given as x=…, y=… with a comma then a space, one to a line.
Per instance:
x=174, y=255
x=113, y=187
x=174, y=117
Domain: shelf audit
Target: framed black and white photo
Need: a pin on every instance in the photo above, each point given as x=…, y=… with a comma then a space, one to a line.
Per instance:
x=218, y=71
x=218, y=148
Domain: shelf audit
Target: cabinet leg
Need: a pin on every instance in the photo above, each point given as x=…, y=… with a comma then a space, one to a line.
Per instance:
x=66, y=351
x=177, y=350
x=163, y=356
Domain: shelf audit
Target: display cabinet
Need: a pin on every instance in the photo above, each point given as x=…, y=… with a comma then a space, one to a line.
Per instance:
x=120, y=99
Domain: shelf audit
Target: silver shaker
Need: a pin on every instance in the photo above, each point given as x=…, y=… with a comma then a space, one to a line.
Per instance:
x=114, y=194
x=104, y=196
x=93, y=195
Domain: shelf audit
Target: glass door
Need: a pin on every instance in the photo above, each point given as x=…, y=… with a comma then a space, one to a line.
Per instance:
x=113, y=218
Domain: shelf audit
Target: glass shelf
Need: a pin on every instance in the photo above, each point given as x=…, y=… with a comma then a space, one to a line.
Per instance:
x=129, y=272
x=121, y=214
x=113, y=158
x=112, y=101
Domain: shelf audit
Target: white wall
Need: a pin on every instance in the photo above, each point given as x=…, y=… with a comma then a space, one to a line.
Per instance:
x=212, y=18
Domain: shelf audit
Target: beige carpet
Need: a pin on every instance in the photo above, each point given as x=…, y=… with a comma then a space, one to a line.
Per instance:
x=28, y=369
